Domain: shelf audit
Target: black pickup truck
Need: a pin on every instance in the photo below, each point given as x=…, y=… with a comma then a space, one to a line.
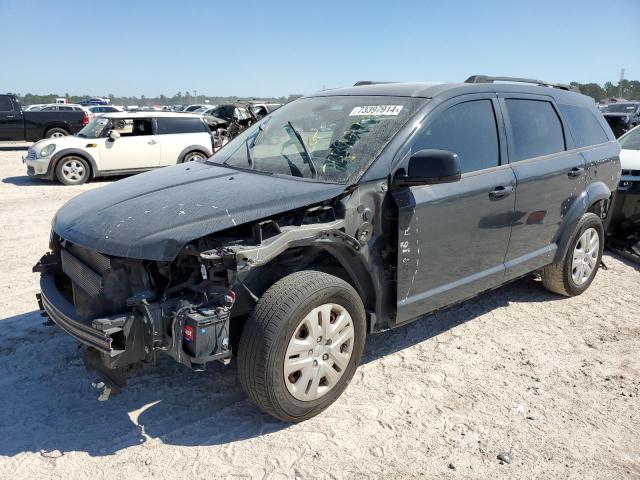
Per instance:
x=17, y=125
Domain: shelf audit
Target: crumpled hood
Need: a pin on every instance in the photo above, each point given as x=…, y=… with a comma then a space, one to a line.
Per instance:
x=153, y=215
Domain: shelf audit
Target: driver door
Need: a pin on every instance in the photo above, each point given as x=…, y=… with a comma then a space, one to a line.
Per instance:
x=137, y=148
x=453, y=237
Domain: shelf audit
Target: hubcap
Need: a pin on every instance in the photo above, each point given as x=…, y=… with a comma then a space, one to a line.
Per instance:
x=57, y=135
x=194, y=157
x=73, y=170
x=585, y=256
x=319, y=352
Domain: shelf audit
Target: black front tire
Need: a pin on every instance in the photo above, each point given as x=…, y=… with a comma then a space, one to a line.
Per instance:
x=557, y=277
x=56, y=132
x=79, y=164
x=270, y=327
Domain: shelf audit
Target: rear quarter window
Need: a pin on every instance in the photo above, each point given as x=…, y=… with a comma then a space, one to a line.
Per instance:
x=180, y=125
x=584, y=126
x=536, y=129
x=5, y=104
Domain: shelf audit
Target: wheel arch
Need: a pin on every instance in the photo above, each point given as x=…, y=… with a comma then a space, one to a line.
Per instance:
x=593, y=199
x=93, y=168
x=193, y=148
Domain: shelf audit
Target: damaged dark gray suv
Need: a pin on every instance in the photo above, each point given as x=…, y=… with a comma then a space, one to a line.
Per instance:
x=341, y=214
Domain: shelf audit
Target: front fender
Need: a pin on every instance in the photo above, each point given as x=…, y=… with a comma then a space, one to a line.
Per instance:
x=72, y=151
x=594, y=193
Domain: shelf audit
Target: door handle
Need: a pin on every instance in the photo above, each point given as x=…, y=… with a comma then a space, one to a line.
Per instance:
x=575, y=172
x=501, y=192
x=11, y=116
x=152, y=142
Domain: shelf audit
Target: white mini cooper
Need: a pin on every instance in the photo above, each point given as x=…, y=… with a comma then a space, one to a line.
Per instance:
x=121, y=143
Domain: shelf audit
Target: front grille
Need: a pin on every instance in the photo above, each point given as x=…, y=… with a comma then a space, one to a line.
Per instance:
x=81, y=275
x=31, y=154
x=631, y=173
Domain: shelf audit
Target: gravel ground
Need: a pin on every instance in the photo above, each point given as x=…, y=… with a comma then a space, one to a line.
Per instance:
x=553, y=381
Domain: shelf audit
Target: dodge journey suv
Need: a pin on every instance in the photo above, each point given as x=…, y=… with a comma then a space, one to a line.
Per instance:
x=339, y=215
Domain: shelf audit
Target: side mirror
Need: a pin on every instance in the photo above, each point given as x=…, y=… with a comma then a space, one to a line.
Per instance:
x=428, y=167
x=113, y=135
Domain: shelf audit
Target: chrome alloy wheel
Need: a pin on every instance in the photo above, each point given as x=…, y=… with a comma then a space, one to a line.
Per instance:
x=318, y=352
x=73, y=170
x=585, y=256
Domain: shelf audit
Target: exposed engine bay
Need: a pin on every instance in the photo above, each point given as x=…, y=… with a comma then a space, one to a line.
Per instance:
x=124, y=311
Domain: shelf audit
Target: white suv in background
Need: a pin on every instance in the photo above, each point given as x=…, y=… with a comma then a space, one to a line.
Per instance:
x=121, y=143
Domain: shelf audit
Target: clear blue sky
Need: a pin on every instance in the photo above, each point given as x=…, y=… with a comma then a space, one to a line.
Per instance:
x=270, y=47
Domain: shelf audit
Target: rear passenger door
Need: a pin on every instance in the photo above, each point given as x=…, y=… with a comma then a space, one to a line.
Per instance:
x=550, y=175
x=453, y=237
x=179, y=135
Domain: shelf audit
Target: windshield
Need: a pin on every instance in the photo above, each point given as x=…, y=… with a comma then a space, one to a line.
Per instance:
x=96, y=128
x=329, y=139
x=620, y=108
x=631, y=140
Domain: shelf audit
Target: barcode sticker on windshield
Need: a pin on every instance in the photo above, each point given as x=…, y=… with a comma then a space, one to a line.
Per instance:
x=376, y=110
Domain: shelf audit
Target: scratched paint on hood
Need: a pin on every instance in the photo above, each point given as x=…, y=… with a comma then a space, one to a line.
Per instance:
x=153, y=215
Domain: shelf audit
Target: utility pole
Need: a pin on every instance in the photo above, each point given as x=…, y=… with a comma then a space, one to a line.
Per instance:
x=620, y=83
x=195, y=94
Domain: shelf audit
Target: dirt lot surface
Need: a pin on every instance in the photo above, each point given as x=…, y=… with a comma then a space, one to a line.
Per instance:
x=553, y=381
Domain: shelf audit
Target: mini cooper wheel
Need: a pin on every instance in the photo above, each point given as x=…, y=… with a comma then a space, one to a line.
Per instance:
x=574, y=274
x=194, y=157
x=301, y=345
x=72, y=170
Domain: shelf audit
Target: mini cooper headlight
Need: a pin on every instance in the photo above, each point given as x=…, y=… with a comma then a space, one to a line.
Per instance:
x=48, y=150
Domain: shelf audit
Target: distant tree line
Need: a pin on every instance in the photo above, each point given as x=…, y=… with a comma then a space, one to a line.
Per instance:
x=178, y=99
x=629, y=89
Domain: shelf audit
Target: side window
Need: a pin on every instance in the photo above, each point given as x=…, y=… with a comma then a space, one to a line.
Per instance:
x=134, y=127
x=468, y=129
x=535, y=127
x=584, y=125
x=168, y=125
x=5, y=104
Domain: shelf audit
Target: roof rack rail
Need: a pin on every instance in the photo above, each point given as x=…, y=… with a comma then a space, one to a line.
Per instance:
x=488, y=79
x=368, y=82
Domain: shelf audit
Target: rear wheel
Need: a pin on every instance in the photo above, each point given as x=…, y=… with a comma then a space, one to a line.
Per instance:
x=574, y=274
x=56, y=133
x=301, y=345
x=194, y=156
x=72, y=170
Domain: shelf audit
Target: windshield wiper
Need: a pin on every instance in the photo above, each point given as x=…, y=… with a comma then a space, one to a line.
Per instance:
x=310, y=161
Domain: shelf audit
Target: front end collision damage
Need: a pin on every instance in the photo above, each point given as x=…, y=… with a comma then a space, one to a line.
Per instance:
x=126, y=310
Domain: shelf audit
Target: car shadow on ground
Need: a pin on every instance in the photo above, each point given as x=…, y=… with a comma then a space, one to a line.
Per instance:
x=27, y=181
x=13, y=148
x=49, y=406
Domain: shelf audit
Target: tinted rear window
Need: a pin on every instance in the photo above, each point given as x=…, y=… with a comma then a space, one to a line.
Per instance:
x=180, y=125
x=535, y=128
x=584, y=126
x=468, y=129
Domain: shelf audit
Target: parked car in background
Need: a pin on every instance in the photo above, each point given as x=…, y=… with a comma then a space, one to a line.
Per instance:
x=341, y=214
x=121, y=143
x=94, y=101
x=31, y=126
x=624, y=223
x=622, y=116
x=100, y=109
x=195, y=106
x=32, y=108
x=261, y=110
